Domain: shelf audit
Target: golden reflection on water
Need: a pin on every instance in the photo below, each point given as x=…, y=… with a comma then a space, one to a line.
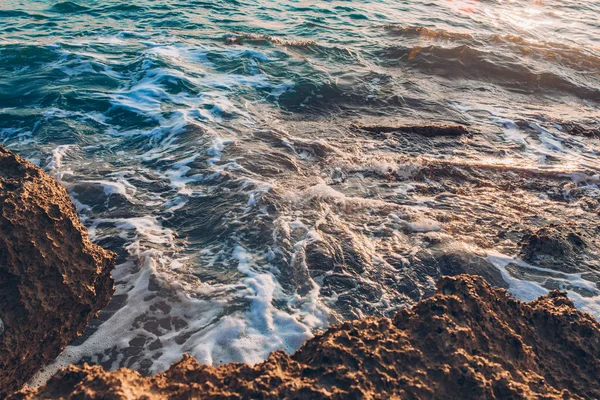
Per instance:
x=523, y=19
x=506, y=12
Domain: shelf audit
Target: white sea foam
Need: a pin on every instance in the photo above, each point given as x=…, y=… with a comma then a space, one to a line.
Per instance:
x=264, y=328
x=516, y=135
x=326, y=193
x=177, y=175
x=122, y=328
x=120, y=186
x=424, y=225
x=531, y=290
x=196, y=311
x=55, y=165
x=189, y=324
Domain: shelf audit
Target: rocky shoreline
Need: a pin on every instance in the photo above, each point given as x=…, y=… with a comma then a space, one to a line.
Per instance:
x=468, y=340
x=52, y=278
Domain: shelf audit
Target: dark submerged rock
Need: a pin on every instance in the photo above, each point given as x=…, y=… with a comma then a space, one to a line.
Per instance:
x=554, y=246
x=455, y=262
x=52, y=278
x=429, y=131
x=579, y=130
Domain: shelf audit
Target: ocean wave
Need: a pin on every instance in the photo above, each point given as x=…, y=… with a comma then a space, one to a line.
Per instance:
x=339, y=53
x=578, y=58
x=66, y=7
x=467, y=62
x=425, y=33
x=261, y=39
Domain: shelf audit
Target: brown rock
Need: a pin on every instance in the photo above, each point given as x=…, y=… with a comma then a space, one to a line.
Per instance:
x=468, y=341
x=421, y=130
x=52, y=278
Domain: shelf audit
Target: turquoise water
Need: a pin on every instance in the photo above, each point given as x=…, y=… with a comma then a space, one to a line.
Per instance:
x=211, y=145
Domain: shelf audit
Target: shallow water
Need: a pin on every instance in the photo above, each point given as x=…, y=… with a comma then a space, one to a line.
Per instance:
x=213, y=146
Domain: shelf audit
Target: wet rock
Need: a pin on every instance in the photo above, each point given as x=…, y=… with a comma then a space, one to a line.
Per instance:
x=468, y=341
x=452, y=259
x=421, y=130
x=52, y=278
x=579, y=130
x=587, y=129
x=461, y=263
x=554, y=246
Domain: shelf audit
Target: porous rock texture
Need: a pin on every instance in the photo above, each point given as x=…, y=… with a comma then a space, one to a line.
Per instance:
x=468, y=341
x=52, y=278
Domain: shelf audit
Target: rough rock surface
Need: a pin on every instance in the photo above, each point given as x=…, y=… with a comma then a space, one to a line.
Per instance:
x=560, y=247
x=52, y=278
x=468, y=341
